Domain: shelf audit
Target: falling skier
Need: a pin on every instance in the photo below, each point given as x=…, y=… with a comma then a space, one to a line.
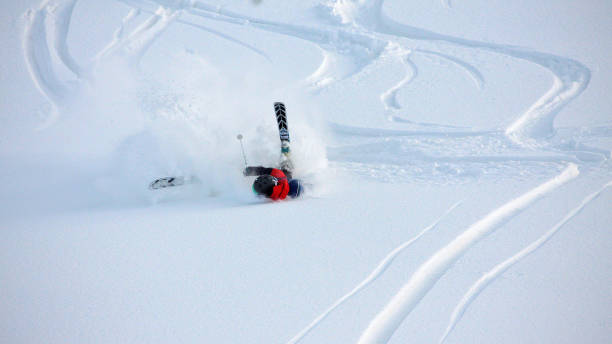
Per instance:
x=273, y=183
x=277, y=183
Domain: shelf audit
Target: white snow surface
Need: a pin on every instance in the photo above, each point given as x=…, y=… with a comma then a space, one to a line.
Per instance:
x=457, y=153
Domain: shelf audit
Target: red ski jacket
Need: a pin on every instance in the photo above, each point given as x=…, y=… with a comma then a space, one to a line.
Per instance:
x=281, y=190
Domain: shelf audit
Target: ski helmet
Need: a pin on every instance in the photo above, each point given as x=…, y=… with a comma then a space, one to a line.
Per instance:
x=263, y=185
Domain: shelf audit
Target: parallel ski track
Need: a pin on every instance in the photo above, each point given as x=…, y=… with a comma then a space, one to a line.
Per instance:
x=382, y=327
x=494, y=273
x=142, y=6
x=377, y=272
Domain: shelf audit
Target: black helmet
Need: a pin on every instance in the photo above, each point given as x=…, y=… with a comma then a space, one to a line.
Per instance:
x=263, y=185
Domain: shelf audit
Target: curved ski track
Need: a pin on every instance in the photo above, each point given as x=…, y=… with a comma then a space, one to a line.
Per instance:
x=570, y=76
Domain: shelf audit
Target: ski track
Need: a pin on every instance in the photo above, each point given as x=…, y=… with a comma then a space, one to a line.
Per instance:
x=134, y=45
x=494, y=273
x=381, y=152
x=119, y=35
x=62, y=16
x=570, y=77
x=382, y=327
x=377, y=272
x=345, y=52
x=139, y=6
x=398, y=119
x=144, y=36
x=389, y=97
x=374, y=132
x=38, y=61
x=38, y=54
x=385, y=153
x=472, y=71
x=340, y=47
x=228, y=38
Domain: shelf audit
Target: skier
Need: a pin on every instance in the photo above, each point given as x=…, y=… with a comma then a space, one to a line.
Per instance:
x=274, y=183
x=277, y=183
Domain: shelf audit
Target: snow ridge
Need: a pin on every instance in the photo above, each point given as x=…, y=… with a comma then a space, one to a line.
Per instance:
x=377, y=272
x=494, y=273
x=382, y=327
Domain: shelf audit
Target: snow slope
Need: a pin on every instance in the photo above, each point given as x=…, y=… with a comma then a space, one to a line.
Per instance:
x=459, y=155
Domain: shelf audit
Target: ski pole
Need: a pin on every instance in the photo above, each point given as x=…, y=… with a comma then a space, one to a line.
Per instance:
x=239, y=137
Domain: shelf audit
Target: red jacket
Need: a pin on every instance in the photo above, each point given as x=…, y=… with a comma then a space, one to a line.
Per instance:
x=281, y=190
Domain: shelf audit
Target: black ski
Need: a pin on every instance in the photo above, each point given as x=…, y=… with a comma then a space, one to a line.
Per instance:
x=281, y=119
x=283, y=130
x=166, y=182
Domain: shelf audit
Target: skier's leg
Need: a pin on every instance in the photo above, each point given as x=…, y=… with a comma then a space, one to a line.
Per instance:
x=286, y=165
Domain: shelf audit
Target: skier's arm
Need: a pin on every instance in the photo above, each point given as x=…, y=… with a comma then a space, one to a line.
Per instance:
x=256, y=170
